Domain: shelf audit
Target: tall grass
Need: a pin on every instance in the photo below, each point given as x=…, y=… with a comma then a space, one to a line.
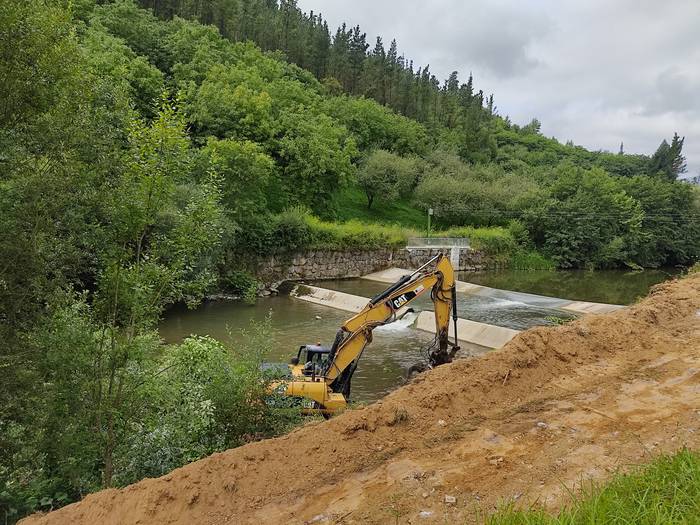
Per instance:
x=667, y=491
x=531, y=260
x=296, y=229
x=495, y=241
x=354, y=234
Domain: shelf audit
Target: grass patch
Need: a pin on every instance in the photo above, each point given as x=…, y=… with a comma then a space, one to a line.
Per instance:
x=559, y=321
x=667, y=491
x=501, y=245
x=352, y=205
x=354, y=234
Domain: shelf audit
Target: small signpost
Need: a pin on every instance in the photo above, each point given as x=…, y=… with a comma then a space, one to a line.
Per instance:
x=430, y=214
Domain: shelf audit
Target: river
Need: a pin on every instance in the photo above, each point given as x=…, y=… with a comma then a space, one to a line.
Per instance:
x=395, y=347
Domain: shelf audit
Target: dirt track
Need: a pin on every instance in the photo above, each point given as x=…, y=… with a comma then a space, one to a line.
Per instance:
x=553, y=407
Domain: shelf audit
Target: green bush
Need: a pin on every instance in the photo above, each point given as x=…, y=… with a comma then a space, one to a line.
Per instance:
x=460, y=193
x=520, y=233
x=291, y=229
x=243, y=284
x=207, y=398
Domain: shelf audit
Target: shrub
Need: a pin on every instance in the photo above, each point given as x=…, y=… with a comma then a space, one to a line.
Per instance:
x=243, y=284
x=290, y=230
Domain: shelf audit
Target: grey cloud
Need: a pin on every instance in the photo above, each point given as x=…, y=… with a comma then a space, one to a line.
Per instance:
x=675, y=92
x=496, y=40
x=501, y=42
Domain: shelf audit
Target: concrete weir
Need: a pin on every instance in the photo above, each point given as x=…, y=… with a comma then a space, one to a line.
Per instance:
x=578, y=307
x=481, y=334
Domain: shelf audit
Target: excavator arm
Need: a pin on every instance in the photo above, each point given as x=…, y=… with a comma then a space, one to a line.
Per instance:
x=331, y=390
x=384, y=308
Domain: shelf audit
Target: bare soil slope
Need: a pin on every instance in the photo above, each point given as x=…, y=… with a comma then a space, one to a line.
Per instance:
x=553, y=407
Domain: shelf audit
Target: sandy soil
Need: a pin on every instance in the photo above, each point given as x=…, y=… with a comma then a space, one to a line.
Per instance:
x=553, y=408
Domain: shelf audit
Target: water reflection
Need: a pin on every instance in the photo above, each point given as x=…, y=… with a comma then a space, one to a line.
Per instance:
x=603, y=286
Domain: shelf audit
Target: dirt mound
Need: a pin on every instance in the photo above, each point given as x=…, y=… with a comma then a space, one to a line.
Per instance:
x=555, y=406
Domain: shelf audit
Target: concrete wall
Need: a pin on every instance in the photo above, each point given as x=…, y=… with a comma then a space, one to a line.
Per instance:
x=482, y=334
x=325, y=264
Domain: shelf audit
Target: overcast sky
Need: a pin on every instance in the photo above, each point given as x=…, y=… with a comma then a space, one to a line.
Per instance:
x=598, y=72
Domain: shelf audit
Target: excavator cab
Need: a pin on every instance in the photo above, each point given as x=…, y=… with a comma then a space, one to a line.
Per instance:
x=310, y=360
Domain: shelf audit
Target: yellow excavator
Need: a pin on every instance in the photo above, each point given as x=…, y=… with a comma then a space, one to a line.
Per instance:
x=322, y=375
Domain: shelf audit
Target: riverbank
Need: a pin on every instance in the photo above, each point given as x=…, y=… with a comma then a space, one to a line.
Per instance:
x=579, y=400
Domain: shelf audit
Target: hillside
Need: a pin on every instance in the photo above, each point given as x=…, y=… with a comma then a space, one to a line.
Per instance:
x=553, y=407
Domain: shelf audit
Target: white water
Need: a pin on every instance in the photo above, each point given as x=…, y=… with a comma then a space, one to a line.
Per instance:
x=400, y=325
x=502, y=303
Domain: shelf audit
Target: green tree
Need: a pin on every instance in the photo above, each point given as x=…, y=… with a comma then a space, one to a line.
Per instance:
x=60, y=123
x=109, y=57
x=671, y=221
x=587, y=221
x=232, y=103
x=246, y=173
x=314, y=156
x=384, y=176
x=376, y=127
x=162, y=250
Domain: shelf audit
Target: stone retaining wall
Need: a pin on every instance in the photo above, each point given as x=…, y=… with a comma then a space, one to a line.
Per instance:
x=326, y=264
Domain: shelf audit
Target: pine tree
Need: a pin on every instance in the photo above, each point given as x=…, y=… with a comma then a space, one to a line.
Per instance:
x=668, y=160
x=392, y=68
x=357, y=54
x=678, y=162
x=374, y=73
x=339, y=64
x=320, y=46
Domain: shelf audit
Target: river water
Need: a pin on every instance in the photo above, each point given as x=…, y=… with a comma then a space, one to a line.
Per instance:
x=395, y=347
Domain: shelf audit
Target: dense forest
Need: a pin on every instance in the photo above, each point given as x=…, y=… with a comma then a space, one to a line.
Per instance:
x=148, y=151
